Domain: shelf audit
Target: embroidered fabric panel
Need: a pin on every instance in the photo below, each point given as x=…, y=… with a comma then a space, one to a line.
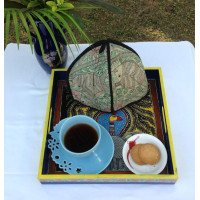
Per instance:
x=129, y=80
x=89, y=80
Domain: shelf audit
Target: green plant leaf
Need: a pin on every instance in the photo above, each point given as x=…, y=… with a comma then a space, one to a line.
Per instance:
x=33, y=4
x=16, y=26
x=32, y=22
x=51, y=3
x=76, y=25
x=24, y=2
x=59, y=2
x=59, y=9
x=66, y=26
x=68, y=6
x=77, y=18
x=54, y=8
x=56, y=24
x=23, y=19
x=49, y=30
x=7, y=26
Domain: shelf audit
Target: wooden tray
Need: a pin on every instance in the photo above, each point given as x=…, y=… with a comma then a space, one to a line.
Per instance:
x=148, y=115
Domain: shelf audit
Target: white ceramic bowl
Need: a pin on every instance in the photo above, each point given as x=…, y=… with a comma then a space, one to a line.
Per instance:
x=143, y=138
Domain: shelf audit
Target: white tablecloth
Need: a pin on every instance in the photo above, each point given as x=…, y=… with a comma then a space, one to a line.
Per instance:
x=26, y=90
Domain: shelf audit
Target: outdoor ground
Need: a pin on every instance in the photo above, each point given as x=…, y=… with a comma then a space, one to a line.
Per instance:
x=143, y=20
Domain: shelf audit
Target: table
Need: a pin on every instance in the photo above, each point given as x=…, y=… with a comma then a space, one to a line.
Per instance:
x=26, y=90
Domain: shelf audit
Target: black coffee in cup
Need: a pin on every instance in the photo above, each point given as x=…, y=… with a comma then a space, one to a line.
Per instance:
x=80, y=138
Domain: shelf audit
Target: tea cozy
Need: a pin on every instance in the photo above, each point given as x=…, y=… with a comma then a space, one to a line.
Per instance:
x=107, y=76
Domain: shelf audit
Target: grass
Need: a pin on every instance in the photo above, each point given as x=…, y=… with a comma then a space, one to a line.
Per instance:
x=143, y=20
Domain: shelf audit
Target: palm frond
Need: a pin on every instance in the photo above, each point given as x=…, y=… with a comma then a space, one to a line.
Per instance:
x=66, y=26
x=33, y=4
x=7, y=29
x=49, y=30
x=24, y=2
x=32, y=22
x=61, y=13
x=77, y=17
x=56, y=24
x=16, y=26
x=23, y=20
x=76, y=25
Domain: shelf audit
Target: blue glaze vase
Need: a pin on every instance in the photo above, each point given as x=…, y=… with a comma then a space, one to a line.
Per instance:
x=51, y=58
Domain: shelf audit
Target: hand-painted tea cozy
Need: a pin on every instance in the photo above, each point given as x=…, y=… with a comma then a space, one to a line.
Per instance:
x=107, y=76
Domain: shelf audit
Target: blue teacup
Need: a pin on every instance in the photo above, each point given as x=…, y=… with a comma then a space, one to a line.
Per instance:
x=78, y=120
x=93, y=160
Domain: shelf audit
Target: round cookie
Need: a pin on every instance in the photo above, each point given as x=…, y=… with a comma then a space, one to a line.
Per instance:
x=134, y=152
x=149, y=154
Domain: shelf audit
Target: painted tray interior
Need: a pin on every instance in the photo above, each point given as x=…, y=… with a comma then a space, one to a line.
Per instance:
x=145, y=115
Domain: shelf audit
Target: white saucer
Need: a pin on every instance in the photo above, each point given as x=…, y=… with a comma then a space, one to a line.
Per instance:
x=145, y=169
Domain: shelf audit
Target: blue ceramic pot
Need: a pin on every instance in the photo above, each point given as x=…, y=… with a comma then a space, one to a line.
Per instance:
x=51, y=59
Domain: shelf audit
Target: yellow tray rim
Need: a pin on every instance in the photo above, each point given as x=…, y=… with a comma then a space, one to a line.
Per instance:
x=93, y=177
